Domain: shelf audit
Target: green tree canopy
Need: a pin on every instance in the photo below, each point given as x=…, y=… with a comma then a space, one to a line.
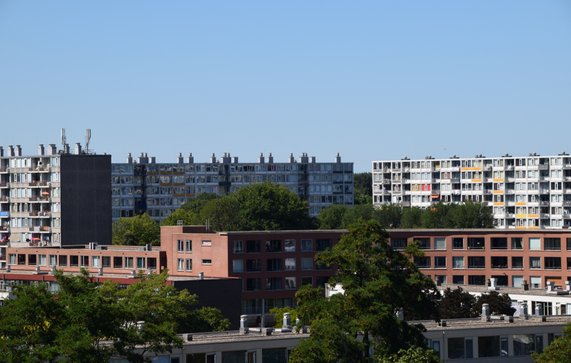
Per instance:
x=557, y=351
x=456, y=304
x=378, y=282
x=136, y=231
x=499, y=303
x=88, y=322
x=363, y=188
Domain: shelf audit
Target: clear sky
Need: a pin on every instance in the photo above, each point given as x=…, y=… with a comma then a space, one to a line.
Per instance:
x=367, y=79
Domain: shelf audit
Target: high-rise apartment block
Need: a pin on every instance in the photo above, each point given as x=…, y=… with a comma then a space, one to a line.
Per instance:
x=144, y=186
x=54, y=198
x=525, y=192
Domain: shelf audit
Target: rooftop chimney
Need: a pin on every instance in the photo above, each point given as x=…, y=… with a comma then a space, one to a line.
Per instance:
x=262, y=159
x=270, y=159
x=41, y=150
x=486, y=313
x=190, y=159
x=180, y=159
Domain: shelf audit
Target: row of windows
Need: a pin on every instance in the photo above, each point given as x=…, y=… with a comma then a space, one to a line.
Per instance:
x=287, y=245
x=281, y=283
x=274, y=264
x=82, y=261
x=186, y=245
x=479, y=243
x=459, y=262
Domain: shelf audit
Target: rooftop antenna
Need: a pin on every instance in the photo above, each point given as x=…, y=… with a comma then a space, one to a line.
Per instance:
x=63, y=138
x=87, y=139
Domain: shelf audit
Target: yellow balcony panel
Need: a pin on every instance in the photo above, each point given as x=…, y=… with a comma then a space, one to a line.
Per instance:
x=498, y=180
x=533, y=216
x=520, y=227
x=521, y=215
x=498, y=192
x=521, y=204
x=499, y=204
x=476, y=180
x=471, y=168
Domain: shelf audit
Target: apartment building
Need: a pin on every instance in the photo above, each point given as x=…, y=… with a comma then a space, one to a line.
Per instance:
x=54, y=198
x=271, y=264
x=525, y=192
x=143, y=185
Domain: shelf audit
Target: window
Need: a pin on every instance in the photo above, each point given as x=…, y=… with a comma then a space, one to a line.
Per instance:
x=499, y=243
x=32, y=260
x=476, y=262
x=253, y=265
x=455, y=348
x=12, y=259
x=476, y=243
x=180, y=264
x=117, y=262
x=552, y=263
x=422, y=261
x=74, y=261
x=322, y=244
x=289, y=245
x=499, y=262
x=458, y=243
x=458, y=279
x=476, y=279
x=439, y=261
x=306, y=245
x=96, y=261
x=206, y=261
x=253, y=284
x=238, y=247
x=398, y=243
x=517, y=243
x=440, y=243
x=188, y=264
x=552, y=244
x=458, y=262
x=307, y=281
x=523, y=344
x=274, y=264
x=237, y=265
x=252, y=246
x=290, y=263
x=517, y=262
x=180, y=245
x=535, y=262
x=568, y=244
x=128, y=262
x=188, y=245
x=307, y=263
x=517, y=281
x=42, y=260
x=534, y=244
x=274, y=283
x=290, y=283
x=151, y=263
x=140, y=262
x=423, y=243
x=84, y=261
x=206, y=243
x=535, y=282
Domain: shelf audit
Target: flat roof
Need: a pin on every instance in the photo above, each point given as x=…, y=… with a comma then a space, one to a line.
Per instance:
x=478, y=323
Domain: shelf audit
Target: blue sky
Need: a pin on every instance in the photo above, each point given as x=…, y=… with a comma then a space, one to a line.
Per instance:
x=367, y=79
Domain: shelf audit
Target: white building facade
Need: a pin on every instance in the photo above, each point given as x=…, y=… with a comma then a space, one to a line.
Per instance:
x=525, y=192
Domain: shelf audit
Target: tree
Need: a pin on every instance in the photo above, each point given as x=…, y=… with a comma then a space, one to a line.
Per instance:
x=412, y=355
x=89, y=322
x=222, y=214
x=499, y=303
x=378, y=282
x=331, y=217
x=411, y=218
x=363, y=188
x=187, y=216
x=456, y=304
x=557, y=351
x=472, y=215
x=136, y=231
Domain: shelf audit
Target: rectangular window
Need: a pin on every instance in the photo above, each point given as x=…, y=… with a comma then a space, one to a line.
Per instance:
x=238, y=247
x=42, y=260
x=458, y=261
x=524, y=344
x=323, y=244
x=308, y=280
x=517, y=281
x=535, y=282
x=180, y=245
x=398, y=244
x=117, y=262
x=568, y=244
x=274, y=245
x=96, y=261
x=458, y=243
x=206, y=261
x=476, y=262
x=289, y=245
x=534, y=244
x=439, y=261
x=476, y=243
x=499, y=243
x=128, y=262
x=552, y=263
x=552, y=244
x=188, y=264
x=151, y=263
x=458, y=279
x=84, y=261
x=253, y=284
x=206, y=243
x=74, y=261
x=476, y=279
x=422, y=261
x=455, y=348
x=237, y=265
x=141, y=262
x=252, y=246
x=517, y=243
x=253, y=265
x=517, y=262
x=32, y=260
x=180, y=264
x=62, y=260
x=440, y=243
x=274, y=264
x=274, y=283
x=289, y=263
x=188, y=245
x=423, y=243
x=499, y=261
x=290, y=283
x=307, y=263
x=306, y=245
x=106, y=261
x=535, y=262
